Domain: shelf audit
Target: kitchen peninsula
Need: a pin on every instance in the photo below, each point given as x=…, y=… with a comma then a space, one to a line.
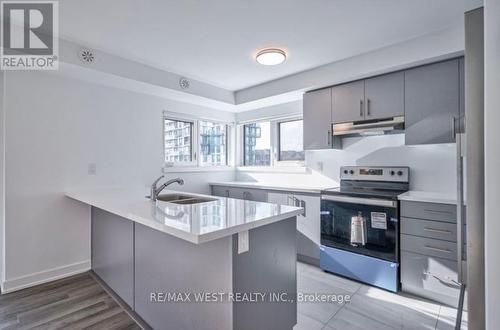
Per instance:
x=195, y=244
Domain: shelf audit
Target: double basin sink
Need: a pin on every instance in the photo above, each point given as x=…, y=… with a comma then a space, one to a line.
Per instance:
x=183, y=199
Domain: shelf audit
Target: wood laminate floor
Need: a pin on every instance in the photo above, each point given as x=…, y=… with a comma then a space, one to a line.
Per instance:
x=76, y=302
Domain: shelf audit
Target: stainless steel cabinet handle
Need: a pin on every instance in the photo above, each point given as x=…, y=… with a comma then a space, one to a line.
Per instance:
x=227, y=192
x=361, y=108
x=367, y=107
x=436, y=249
x=437, y=211
x=303, y=205
x=453, y=130
x=329, y=134
x=442, y=231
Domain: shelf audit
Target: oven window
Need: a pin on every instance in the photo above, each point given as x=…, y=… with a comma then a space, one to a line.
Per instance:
x=364, y=229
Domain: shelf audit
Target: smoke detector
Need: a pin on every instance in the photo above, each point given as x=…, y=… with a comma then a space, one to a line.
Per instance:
x=86, y=55
x=184, y=83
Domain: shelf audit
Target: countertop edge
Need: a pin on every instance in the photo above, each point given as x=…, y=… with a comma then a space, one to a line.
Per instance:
x=427, y=197
x=192, y=238
x=315, y=190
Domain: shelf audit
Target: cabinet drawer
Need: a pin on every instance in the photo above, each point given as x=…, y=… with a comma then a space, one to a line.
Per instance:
x=429, y=277
x=429, y=211
x=429, y=247
x=220, y=191
x=430, y=229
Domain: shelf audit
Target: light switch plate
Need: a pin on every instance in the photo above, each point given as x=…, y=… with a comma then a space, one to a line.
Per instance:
x=243, y=243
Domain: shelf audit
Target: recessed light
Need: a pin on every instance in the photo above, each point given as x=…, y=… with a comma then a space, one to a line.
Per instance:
x=271, y=56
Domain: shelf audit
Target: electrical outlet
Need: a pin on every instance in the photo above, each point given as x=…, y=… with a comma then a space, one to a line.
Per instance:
x=319, y=166
x=243, y=243
x=92, y=169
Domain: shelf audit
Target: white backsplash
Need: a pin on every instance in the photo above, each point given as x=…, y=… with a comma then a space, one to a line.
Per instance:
x=432, y=167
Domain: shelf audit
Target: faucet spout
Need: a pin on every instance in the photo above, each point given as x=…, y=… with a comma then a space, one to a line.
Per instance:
x=156, y=191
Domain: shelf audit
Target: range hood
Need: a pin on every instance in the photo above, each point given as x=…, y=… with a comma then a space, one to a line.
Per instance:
x=373, y=127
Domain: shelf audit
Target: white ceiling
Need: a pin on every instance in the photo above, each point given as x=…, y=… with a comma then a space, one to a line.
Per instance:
x=215, y=41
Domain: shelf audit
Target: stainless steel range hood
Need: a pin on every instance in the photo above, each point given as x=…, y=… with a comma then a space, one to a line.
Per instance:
x=374, y=127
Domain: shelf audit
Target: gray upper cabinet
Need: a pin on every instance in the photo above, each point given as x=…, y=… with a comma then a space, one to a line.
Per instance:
x=348, y=102
x=384, y=96
x=432, y=103
x=317, y=115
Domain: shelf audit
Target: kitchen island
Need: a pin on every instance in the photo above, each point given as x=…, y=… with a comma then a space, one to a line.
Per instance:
x=221, y=264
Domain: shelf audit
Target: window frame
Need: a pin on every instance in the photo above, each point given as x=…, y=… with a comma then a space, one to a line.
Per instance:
x=280, y=162
x=243, y=149
x=227, y=131
x=275, y=163
x=195, y=140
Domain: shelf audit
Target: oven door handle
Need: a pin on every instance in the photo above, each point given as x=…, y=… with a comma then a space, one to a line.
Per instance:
x=363, y=201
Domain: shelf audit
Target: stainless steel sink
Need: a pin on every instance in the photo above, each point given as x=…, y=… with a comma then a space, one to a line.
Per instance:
x=173, y=197
x=183, y=199
x=195, y=200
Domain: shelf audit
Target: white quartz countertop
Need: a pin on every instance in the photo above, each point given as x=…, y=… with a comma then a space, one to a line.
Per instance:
x=196, y=223
x=314, y=189
x=428, y=197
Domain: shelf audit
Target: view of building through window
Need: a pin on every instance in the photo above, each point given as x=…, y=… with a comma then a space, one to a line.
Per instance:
x=213, y=143
x=257, y=144
x=178, y=141
x=290, y=140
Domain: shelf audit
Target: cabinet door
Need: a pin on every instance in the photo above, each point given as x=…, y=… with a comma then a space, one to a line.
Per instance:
x=220, y=191
x=279, y=198
x=384, y=96
x=308, y=225
x=317, y=115
x=348, y=102
x=257, y=195
x=432, y=103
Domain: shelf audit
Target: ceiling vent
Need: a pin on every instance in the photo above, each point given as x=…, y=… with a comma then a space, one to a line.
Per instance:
x=86, y=55
x=184, y=83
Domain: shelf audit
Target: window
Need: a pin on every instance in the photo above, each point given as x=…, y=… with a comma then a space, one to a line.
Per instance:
x=290, y=141
x=213, y=143
x=257, y=144
x=194, y=142
x=178, y=141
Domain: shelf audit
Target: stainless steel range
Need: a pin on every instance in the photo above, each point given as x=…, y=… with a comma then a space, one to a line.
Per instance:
x=360, y=225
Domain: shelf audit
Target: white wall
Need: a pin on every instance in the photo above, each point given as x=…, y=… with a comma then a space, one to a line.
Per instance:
x=433, y=167
x=56, y=127
x=492, y=161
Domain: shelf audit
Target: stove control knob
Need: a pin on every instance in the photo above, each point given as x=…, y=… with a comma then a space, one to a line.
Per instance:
x=400, y=173
x=392, y=172
x=351, y=172
x=345, y=172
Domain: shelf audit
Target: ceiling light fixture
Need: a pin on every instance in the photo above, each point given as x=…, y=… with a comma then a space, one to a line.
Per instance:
x=271, y=56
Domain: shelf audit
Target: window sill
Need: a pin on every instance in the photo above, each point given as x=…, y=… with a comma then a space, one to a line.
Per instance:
x=275, y=169
x=183, y=169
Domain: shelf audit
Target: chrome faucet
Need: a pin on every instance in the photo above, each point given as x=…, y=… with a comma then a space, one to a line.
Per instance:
x=155, y=191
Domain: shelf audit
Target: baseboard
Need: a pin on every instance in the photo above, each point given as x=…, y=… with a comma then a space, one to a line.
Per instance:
x=45, y=276
x=308, y=260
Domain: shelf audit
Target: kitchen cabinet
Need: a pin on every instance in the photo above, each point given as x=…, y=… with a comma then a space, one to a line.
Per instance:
x=432, y=103
x=308, y=223
x=317, y=116
x=348, y=102
x=257, y=195
x=429, y=260
x=384, y=96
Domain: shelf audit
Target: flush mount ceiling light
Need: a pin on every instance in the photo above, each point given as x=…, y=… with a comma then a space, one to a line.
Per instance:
x=271, y=56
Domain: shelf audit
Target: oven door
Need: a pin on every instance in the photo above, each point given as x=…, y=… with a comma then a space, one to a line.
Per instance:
x=378, y=228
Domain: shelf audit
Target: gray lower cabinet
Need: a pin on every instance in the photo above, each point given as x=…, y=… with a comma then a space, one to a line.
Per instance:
x=384, y=96
x=251, y=194
x=317, y=116
x=432, y=103
x=113, y=252
x=308, y=223
x=348, y=102
x=429, y=260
